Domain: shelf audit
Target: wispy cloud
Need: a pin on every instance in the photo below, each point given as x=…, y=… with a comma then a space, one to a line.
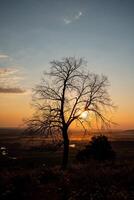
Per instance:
x=3, y=56
x=69, y=20
x=10, y=80
x=11, y=90
x=7, y=71
x=78, y=15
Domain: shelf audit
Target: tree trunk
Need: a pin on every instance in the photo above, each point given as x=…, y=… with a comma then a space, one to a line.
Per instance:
x=65, y=149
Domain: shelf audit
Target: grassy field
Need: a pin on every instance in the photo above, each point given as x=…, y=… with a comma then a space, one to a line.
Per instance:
x=28, y=172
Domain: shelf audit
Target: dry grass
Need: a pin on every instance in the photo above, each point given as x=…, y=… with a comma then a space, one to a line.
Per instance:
x=28, y=178
x=92, y=181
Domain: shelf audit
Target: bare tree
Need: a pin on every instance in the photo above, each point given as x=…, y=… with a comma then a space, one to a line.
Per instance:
x=64, y=95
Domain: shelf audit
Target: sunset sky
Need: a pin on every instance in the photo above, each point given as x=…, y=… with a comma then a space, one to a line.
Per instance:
x=34, y=32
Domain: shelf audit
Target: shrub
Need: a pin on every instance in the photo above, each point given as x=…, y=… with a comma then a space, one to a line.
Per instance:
x=99, y=148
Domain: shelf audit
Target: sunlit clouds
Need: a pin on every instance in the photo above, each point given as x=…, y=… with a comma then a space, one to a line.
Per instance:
x=2, y=56
x=10, y=80
x=14, y=98
x=72, y=19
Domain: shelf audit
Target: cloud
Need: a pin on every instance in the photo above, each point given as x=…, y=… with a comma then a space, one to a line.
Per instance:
x=78, y=15
x=3, y=56
x=7, y=71
x=11, y=90
x=67, y=21
x=10, y=80
x=73, y=19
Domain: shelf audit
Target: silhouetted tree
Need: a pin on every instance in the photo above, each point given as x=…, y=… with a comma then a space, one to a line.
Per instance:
x=66, y=91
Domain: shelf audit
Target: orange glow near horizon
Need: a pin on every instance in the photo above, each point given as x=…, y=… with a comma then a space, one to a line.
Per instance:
x=15, y=108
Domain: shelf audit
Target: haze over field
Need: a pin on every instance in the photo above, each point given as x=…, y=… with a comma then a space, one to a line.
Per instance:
x=32, y=33
x=16, y=136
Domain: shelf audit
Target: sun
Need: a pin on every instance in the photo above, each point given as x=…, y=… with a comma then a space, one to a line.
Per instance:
x=84, y=115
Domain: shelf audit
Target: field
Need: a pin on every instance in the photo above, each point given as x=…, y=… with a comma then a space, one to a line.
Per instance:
x=28, y=171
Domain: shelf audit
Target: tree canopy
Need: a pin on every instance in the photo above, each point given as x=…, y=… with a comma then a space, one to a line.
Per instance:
x=68, y=93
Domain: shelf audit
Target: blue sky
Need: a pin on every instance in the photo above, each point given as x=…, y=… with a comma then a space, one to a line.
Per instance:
x=34, y=32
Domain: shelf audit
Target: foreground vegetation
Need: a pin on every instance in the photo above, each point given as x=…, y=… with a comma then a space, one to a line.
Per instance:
x=35, y=173
x=31, y=178
x=92, y=180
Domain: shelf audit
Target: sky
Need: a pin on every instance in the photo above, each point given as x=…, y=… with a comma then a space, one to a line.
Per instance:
x=34, y=32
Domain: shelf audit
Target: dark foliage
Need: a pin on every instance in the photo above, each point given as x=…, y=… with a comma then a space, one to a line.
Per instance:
x=92, y=181
x=99, y=148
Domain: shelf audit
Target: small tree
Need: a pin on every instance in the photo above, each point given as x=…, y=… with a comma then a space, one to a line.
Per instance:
x=98, y=148
x=67, y=94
